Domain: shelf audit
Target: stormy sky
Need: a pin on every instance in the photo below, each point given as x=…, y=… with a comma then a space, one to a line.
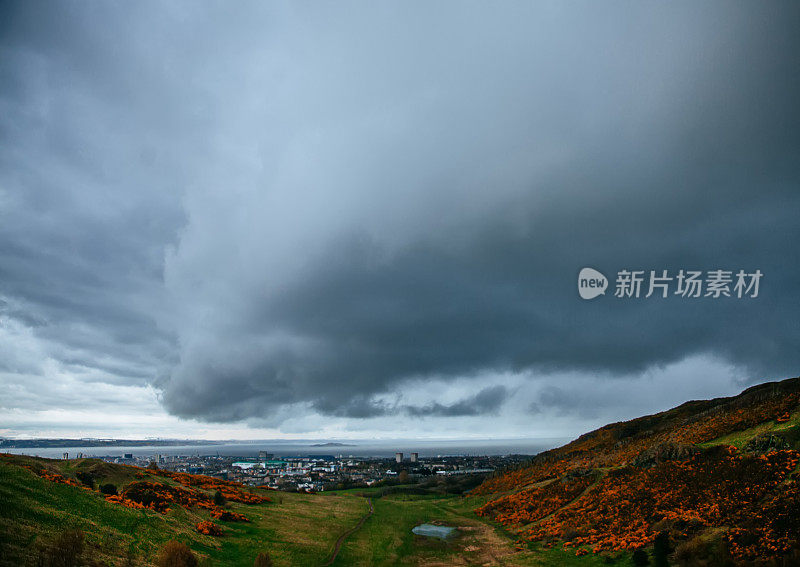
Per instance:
x=367, y=219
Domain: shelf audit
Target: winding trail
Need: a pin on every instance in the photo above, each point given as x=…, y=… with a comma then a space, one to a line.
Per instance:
x=347, y=534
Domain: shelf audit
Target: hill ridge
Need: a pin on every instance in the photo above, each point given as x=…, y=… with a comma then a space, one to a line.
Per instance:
x=713, y=476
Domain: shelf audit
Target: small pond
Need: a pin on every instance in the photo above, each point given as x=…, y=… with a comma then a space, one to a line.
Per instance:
x=429, y=530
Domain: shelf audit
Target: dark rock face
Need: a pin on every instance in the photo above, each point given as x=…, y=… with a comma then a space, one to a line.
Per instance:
x=766, y=443
x=664, y=452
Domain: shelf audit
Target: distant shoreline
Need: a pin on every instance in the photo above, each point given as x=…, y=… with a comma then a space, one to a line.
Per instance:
x=67, y=443
x=55, y=448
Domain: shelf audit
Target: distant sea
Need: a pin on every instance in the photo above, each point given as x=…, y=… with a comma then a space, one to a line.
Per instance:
x=295, y=448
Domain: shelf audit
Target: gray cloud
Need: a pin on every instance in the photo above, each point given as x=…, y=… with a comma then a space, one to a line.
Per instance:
x=486, y=401
x=291, y=206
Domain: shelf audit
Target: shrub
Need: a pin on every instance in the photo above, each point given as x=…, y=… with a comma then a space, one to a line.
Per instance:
x=108, y=489
x=263, y=560
x=64, y=551
x=176, y=554
x=661, y=549
x=85, y=478
x=208, y=528
x=693, y=551
x=227, y=516
x=569, y=534
x=219, y=498
x=640, y=558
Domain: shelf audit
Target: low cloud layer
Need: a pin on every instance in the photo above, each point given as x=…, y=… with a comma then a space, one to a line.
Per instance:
x=314, y=209
x=486, y=401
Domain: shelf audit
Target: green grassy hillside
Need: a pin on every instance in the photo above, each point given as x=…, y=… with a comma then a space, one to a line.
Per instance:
x=294, y=529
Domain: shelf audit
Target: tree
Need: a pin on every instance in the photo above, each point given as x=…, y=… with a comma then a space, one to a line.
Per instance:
x=176, y=554
x=263, y=560
x=153, y=466
x=661, y=549
x=219, y=498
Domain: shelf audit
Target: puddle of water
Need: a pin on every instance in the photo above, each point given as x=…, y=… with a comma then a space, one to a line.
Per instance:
x=429, y=530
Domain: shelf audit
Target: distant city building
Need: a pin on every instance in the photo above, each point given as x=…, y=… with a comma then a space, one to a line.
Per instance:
x=317, y=472
x=66, y=456
x=247, y=465
x=264, y=456
x=127, y=456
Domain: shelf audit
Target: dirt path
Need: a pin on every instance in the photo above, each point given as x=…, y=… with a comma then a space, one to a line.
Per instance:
x=347, y=534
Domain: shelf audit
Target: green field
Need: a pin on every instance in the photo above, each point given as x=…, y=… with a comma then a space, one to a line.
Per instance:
x=789, y=430
x=386, y=538
x=294, y=529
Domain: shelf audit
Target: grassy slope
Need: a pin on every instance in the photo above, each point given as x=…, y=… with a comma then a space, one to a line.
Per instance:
x=790, y=430
x=295, y=529
x=733, y=420
x=35, y=509
x=386, y=538
x=741, y=418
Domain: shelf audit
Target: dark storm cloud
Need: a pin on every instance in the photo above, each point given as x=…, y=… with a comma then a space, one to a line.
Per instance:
x=318, y=218
x=486, y=401
x=84, y=218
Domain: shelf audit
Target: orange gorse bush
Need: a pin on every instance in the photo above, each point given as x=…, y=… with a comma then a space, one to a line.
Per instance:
x=208, y=528
x=227, y=516
x=536, y=503
x=55, y=477
x=232, y=491
x=159, y=497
